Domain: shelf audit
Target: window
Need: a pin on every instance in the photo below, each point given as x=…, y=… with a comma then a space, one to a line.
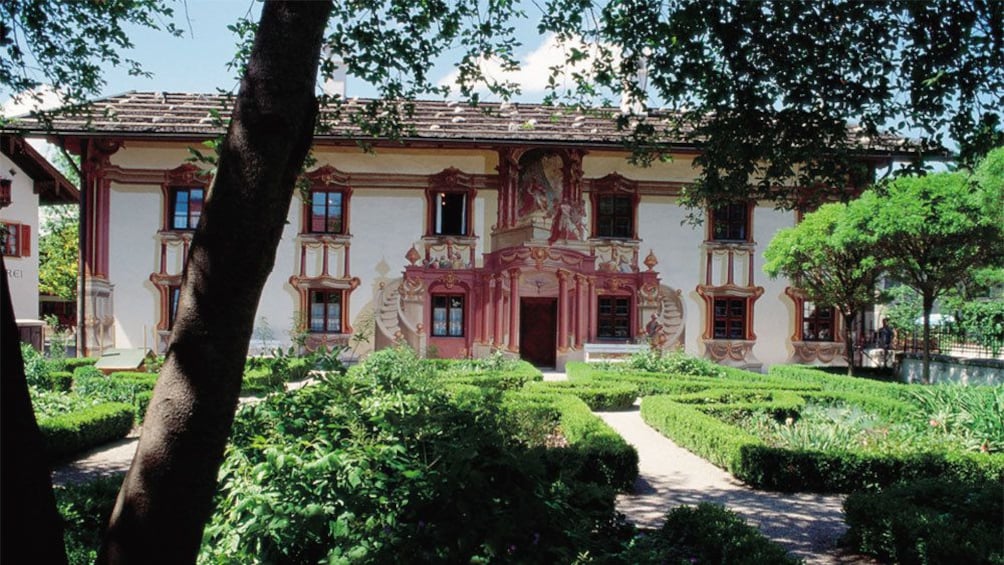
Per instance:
x=818, y=322
x=450, y=213
x=613, y=317
x=186, y=207
x=615, y=216
x=173, y=294
x=326, y=311
x=327, y=212
x=730, y=318
x=448, y=315
x=730, y=223
x=15, y=239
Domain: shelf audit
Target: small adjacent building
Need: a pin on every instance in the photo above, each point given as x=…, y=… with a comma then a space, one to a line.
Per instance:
x=27, y=181
x=518, y=227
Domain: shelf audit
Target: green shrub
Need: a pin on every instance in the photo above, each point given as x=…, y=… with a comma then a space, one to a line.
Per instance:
x=596, y=394
x=842, y=383
x=494, y=372
x=36, y=368
x=707, y=533
x=85, y=510
x=71, y=433
x=928, y=521
x=262, y=380
x=47, y=403
x=71, y=363
x=381, y=463
x=130, y=387
x=86, y=371
x=61, y=380
x=709, y=437
x=597, y=452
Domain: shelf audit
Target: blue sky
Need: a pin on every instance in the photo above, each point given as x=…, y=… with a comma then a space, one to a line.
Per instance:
x=197, y=61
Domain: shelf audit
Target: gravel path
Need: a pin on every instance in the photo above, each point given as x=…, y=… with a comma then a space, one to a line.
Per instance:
x=807, y=525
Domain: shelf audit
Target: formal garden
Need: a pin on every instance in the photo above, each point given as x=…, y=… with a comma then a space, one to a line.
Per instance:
x=481, y=461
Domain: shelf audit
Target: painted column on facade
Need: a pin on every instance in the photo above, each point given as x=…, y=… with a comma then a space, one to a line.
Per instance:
x=514, y=309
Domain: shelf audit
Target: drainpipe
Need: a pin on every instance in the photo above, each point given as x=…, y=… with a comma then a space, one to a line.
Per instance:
x=82, y=229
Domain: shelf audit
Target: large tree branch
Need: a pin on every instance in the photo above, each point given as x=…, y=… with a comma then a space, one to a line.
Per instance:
x=166, y=498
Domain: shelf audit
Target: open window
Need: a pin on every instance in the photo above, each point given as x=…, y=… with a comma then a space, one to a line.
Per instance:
x=450, y=201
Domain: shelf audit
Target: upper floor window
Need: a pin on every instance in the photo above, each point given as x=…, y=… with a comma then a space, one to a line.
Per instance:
x=450, y=213
x=729, y=318
x=449, y=202
x=326, y=207
x=730, y=223
x=326, y=311
x=173, y=295
x=614, y=216
x=818, y=322
x=615, y=202
x=613, y=317
x=327, y=211
x=186, y=207
x=15, y=239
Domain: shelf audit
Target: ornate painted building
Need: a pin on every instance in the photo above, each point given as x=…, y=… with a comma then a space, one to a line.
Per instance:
x=522, y=228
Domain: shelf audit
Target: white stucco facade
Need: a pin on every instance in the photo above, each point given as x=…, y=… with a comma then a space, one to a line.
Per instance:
x=388, y=219
x=22, y=270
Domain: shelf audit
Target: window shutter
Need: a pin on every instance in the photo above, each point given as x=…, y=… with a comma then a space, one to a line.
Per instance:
x=25, y=241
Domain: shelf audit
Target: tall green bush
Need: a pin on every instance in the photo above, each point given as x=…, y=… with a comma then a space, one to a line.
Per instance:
x=380, y=464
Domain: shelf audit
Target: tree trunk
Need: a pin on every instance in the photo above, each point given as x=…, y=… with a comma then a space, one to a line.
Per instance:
x=167, y=495
x=849, y=342
x=928, y=306
x=29, y=523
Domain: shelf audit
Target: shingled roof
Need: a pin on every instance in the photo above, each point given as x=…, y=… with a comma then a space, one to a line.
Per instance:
x=174, y=115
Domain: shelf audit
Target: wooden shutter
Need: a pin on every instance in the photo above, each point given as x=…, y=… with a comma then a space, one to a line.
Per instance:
x=25, y=241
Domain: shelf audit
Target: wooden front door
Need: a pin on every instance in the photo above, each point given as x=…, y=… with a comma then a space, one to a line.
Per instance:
x=538, y=328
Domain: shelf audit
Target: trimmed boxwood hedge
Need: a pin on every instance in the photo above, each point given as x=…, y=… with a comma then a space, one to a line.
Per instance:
x=761, y=466
x=59, y=381
x=465, y=371
x=261, y=380
x=598, y=395
x=595, y=451
x=827, y=381
x=71, y=433
x=71, y=363
x=928, y=521
x=651, y=384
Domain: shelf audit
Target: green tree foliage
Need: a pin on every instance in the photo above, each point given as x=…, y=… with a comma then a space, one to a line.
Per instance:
x=66, y=45
x=58, y=249
x=935, y=232
x=828, y=258
x=769, y=88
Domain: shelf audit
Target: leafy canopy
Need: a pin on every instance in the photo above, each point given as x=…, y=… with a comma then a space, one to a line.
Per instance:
x=769, y=88
x=934, y=232
x=65, y=45
x=57, y=253
x=827, y=258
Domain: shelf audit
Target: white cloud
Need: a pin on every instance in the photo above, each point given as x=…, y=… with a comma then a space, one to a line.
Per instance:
x=43, y=98
x=535, y=67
